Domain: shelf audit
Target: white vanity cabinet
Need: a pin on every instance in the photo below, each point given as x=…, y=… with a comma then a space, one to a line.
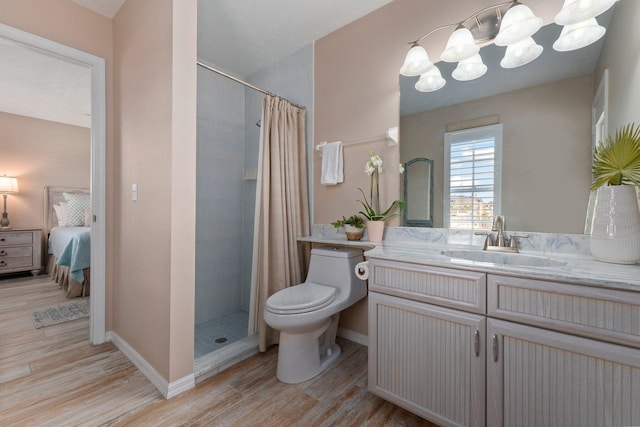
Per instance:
x=424, y=357
x=466, y=348
x=570, y=371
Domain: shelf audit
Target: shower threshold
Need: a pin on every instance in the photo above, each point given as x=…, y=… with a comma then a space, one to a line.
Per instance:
x=213, y=363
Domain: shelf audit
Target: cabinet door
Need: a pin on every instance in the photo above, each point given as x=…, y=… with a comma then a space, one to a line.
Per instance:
x=537, y=377
x=428, y=359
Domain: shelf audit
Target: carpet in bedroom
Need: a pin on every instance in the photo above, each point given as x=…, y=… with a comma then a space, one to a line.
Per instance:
x=60, y=313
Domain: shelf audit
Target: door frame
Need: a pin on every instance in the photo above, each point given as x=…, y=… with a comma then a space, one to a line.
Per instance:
x=97, y=329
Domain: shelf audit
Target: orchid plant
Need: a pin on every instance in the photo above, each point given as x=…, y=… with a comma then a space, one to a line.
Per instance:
x=372, y=210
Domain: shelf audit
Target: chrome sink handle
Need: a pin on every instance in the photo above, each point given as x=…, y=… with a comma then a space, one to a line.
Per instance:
x=513, y=243
x=488, y=241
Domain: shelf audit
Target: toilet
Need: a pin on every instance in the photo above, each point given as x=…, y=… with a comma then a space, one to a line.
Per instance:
x=307, y=314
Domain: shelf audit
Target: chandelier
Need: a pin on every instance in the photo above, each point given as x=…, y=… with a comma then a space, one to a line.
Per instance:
x=511, y=24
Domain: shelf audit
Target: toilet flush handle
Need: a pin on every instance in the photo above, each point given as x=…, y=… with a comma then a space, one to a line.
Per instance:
x=362, y=270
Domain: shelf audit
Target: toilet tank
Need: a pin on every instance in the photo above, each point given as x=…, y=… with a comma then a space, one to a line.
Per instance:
x=336, y=267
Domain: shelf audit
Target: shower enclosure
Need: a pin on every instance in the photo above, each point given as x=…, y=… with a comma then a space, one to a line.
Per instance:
x=226, y=170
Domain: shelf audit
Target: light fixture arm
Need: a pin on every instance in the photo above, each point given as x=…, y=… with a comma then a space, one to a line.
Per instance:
x=473, y=16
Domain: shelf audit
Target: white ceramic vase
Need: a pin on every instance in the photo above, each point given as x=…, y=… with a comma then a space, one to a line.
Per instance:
x=375, y=230
x=615, y=232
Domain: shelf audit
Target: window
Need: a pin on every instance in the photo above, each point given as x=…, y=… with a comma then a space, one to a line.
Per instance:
x=472, y=163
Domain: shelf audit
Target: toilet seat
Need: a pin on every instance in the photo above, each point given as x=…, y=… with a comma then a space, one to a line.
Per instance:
x=301, y=298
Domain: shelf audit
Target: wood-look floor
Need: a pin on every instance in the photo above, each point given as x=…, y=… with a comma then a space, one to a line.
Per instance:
x=54, y=377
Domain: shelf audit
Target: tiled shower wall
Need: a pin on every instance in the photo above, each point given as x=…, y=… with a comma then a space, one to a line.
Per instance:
x=227, y=156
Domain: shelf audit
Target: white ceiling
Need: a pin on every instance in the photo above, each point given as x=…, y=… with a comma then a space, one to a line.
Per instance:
x=241, y=36
x=36, y=84
x=244, y=36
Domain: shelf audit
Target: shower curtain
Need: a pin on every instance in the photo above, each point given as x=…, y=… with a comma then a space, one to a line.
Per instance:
x=282, y=207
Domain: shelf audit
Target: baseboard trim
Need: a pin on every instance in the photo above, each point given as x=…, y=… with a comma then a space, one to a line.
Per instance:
x=354, y=336
x=167, y=389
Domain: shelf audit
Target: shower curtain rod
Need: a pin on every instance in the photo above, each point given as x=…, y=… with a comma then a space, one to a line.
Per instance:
x=249, y=85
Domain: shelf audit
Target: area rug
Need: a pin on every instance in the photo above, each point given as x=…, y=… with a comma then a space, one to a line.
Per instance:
x=61, y=313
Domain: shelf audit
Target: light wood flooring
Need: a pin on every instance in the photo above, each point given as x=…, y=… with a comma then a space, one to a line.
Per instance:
x=54, y=377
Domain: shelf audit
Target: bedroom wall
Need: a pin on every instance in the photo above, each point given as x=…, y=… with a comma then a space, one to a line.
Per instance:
x=41, y=153
x=155, y=142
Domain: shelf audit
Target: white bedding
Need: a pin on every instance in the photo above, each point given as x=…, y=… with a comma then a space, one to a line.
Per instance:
x=60, y=237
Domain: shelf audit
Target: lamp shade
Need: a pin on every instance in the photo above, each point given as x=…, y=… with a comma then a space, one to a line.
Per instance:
x=430, y=81
x=576, y=36
x=469, y=69
x=521, y=53
x=8, y=185
x=416, y=62
x=460, y=46
x=574, y=11
x=518, y=24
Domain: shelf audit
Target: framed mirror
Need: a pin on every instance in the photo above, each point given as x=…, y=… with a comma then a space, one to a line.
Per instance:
x=418, y=193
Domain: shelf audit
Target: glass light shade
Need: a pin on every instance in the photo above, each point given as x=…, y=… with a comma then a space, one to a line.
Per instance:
x=518, y=23
x=460, y=46
x=416, y=62
x=575, y=11
x=469, y=69
x=8, y=185
x=579, y=35
x=430, y=81
x=521, y=53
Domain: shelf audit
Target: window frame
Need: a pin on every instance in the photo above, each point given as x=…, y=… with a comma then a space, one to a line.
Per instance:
x=467, y=135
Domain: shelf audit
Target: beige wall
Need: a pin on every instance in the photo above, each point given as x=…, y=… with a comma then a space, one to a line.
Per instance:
x=546, y=152
x=67, y=23
x=154, y=81
x=41, y=153
x=622, y=57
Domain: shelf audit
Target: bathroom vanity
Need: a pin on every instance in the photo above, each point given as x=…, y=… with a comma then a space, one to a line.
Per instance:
x=443, y=341
x=552, y=338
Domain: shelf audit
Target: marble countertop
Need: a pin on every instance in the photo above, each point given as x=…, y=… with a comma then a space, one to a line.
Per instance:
x=579, y=268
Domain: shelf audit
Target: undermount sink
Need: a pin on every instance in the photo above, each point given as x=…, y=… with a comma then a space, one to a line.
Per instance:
x=505, y=258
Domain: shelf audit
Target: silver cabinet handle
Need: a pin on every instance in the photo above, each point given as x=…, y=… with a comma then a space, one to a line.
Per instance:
x=476, y=342
x=495, y=347
x=3, y=253
x=3, y=264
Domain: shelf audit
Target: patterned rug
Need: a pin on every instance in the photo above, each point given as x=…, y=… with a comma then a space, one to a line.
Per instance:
x=61, y=313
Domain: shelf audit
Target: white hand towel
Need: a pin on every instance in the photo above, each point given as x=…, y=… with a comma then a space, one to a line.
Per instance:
x=332, y=164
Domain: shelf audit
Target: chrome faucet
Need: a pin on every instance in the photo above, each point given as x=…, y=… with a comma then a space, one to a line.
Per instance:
x=498, y=225
x=499, y=244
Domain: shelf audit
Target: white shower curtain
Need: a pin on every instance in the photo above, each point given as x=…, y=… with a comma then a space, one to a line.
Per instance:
x=282, y=209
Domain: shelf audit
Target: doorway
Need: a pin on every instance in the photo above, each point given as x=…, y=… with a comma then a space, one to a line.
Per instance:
x=97, y=333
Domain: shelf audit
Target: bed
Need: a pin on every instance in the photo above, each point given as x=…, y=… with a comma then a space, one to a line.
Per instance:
x=68, y=232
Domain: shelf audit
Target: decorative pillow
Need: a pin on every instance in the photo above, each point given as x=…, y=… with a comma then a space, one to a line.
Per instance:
x=76, y=204
x=87, y=217
x=61, y=214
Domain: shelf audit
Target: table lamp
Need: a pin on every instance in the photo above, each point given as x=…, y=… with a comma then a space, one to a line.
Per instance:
x=8, y=185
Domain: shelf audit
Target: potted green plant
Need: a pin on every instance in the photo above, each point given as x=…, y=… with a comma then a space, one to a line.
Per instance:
x=353, y=226
x=615, y=231
x=375, y=216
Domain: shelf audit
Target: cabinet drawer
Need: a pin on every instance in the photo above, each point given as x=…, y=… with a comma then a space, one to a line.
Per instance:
x=11, y=263
x=13, y=238
x=465, y=290
x=606, y=314
x=16, y=252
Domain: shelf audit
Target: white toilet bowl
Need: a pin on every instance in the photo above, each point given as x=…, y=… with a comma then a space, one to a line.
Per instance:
x=307, y=314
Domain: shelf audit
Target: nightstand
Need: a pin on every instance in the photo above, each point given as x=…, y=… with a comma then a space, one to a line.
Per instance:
x=21, y=250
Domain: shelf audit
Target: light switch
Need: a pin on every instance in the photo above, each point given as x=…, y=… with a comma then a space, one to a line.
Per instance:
x=134, y=192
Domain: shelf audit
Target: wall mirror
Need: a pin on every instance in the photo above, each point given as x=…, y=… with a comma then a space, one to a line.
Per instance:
x=545, y=108
x=418, y=193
